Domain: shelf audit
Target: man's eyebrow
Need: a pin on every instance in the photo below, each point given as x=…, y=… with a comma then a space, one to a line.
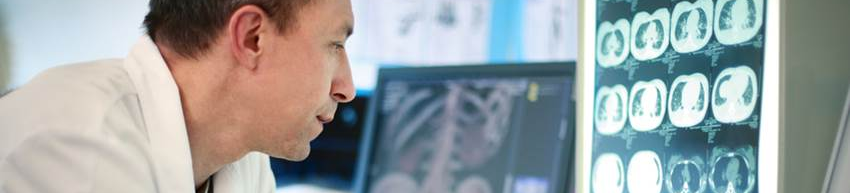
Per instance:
x=348, y=29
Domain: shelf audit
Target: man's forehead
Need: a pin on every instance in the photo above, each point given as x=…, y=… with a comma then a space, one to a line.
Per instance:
x=340, y=8
x=339, y=14
x=347, y=16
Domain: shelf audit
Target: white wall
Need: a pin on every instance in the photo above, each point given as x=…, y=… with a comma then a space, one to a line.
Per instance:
x=816, y=75
x=46, y=33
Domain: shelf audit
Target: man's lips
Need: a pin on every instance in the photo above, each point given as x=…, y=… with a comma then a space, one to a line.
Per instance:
x=326, y=115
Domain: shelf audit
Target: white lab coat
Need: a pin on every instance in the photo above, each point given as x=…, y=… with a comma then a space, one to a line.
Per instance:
x=108, y=126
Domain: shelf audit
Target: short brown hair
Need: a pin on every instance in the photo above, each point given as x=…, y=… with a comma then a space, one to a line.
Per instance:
x=189, y=27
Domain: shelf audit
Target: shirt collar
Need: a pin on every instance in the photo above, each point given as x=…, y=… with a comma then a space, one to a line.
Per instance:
x=163, y=117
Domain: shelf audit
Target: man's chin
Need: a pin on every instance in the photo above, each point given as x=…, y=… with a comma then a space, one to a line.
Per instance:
x=295, y=154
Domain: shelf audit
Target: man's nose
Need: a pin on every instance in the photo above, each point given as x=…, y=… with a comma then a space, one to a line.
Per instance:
x=342, y=86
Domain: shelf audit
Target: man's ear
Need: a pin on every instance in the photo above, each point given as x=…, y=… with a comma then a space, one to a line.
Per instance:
x=244, y=30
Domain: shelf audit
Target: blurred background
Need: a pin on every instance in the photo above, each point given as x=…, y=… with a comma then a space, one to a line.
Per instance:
x=36, y=35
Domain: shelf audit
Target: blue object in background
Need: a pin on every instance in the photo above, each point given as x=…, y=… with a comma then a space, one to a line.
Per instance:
x=506, y=31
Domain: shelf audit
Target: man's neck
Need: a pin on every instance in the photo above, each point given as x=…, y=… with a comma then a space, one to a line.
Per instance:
x=210, y=153
x=214, y=137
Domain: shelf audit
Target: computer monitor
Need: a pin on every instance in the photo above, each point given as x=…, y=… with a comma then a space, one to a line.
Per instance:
x=679, y=96
x=485, y=128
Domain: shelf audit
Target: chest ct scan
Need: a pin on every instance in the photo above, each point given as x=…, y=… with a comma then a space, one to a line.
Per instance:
x=678, y=109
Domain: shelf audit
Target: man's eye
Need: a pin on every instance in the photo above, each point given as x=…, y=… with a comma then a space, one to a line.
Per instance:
x=338, y=46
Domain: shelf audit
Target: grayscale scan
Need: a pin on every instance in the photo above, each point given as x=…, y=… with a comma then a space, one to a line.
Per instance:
x=677, y=96
x=472, y=135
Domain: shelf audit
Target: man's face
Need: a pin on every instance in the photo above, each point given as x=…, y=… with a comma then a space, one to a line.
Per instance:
x=306, y=75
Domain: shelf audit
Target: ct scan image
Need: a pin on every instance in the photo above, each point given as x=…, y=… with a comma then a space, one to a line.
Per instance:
x=692, y=25
x=677, y=110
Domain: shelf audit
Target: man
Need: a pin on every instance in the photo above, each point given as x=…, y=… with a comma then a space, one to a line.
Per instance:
x=198, y=105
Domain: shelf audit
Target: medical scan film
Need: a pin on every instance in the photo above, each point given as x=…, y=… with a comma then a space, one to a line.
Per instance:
x=677, y=96
x=480, y=135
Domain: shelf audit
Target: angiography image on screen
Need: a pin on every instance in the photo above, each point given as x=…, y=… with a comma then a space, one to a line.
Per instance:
x=470, y=136
x=466, y=124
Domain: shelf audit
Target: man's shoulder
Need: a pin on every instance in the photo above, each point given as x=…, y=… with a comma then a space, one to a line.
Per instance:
x=85, y=83
x=100, y=74
x=72, y=97
x=80, y=123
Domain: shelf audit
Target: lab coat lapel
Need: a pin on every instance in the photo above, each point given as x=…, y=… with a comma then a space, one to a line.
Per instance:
x=163, y=117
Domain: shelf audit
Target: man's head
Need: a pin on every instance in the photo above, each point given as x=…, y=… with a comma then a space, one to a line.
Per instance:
x=268, y=72
x=189, y=27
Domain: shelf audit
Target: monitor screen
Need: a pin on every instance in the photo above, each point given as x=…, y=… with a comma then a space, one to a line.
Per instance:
x=675, y=96
x=488, y=128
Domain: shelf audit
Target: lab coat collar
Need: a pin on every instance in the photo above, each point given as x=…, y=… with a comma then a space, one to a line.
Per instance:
x=163, y=117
